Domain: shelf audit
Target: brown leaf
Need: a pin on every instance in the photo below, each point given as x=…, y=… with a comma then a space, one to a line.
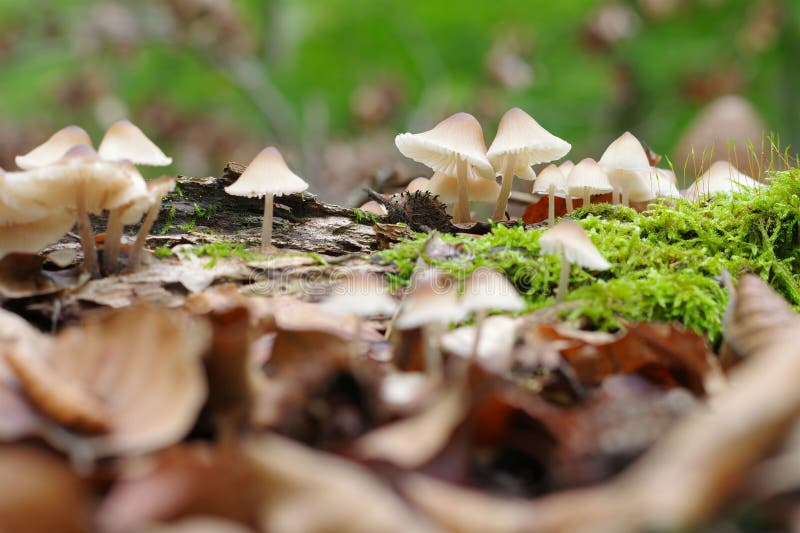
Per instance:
x=22, y=276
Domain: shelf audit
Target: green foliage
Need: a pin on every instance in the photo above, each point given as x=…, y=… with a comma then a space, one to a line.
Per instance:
x=219, y=250
x=665, y=261
x=362, y=217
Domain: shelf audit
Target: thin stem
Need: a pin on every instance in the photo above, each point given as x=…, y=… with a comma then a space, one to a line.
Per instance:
x=461, y=213
x=135, y=255
x=563, y=279
x=570, y=208
x=505, y=188
x=480, y=317
x=85, y=232
x=430, y=340
x=615, y=195
x=551, y=205
x=266, y=227
x=587, y=197
x=112, y=242
x=625, y=198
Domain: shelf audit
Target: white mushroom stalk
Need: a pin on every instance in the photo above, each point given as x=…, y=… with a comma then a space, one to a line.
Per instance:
x=520, y=142
x=454, y=147
x=587, y=178
x=268, y=176
x=569, y=241
x=156, y=190
x=551, y=181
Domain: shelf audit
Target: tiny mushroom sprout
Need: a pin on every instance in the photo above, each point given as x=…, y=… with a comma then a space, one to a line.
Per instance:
x=587, y=178
x=624, y=160
x=150, y=204
x=361, y=295
x=521, y=142
x=569, y=241
x=417, y=184
x=124, y=141
x=80, y=182
x=432, y=303
x=268, y=176
x=485, y=290
x=54, y=148
x=551, y=181
x=478, y=189
x=721, y=177
x=454, y=147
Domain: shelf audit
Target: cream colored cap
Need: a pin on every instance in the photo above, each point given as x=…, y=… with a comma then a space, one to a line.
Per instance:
x=487, y=289
x=478, y=189
x=587, y=174
x=126, y=142
x=457, y=137
x=374, y=208
x=519, y=134
x=156, y=190
x=418, y=184
x=551, y=175
x=31, y=235
x=568, y=239
x=267, y=174
x=623, y=161
x=360, y=294
x=54, y=148
x=566, y=167
x=721, y=177
x=433, y=299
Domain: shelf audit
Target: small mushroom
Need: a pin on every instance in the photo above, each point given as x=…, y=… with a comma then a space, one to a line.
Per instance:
x=566, y=167
x=156, y=190
x=551, y=181
x=478, y=189
x=485, y=290
x=568, y=240
x=623, y=161
x=520, y=142
x=374, y=208
x=721, y=177
x=454, y=147
x=268, y=176
x=587, y=178
x=54, y=148
x=417, y=184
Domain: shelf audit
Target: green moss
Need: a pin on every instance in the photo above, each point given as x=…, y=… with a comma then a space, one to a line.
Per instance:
x=362, y=217
x=665, y=261
x=218, y=250
x=164, y=251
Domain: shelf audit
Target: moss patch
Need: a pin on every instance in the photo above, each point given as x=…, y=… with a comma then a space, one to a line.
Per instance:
x=666, y=261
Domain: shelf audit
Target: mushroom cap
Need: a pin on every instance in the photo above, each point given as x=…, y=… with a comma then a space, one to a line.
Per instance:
x=569, y=240
x=433, y=299
x=587, y=174
x=623, y=160
x=488, y=289
x=566, y=167
x=457, y=137
x=374, y=208
x=362, y=295
x=721, y=177
x=31, y=235
x=54, y=148
x=107, y=184
x=418, y=184
x=124, y=141
x=478, y=189
x=267, y=174
x=667, y=174
x=660, y=184
x=519, y=134
x=551, y=175
x=156, y=190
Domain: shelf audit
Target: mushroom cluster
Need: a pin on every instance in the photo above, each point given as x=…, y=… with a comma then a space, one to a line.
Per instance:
x=64, y=180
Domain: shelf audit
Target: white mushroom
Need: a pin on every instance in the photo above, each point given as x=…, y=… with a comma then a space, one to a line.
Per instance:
x=587, y=178
x=623, y=161
x=551, y=181
x=721, y=177
x=485, y=290
x=54, y=148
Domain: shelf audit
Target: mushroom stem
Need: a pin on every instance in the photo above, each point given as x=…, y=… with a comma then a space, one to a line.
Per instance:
x=570, y=208
x=112, y=242
x=135, y=255
x=551, y=205
x=563, y=279
x=85, y=232
x=480, y=317
x=430, y=339
x=587, y=197
x=266, y=227
x=615, y=195
x=626, y=199
x=461, y=211
x=505, y=188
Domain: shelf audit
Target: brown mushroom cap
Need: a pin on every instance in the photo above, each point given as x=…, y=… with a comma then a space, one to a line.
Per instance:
x=457, y=137
x=126, y=142
x=54, y=148
x=518, y=133
x=268, y=173
x=569, y=240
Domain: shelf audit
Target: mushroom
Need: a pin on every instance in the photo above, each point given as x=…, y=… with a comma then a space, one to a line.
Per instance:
x=520, y=142
x=623, y=160
x=478, y=189
x=484, y=290
x=432, y=303
x=417, y=184
x=82, y=182
x=54, y=148
x=156, y=190
x=566, y=167
x=362, y=295
x=374, y=208
x=721, y=177
x=568, y=240
x=454, y=147
x=268, y=176
x=551, y=181
x=587, y=178
x=124, y=141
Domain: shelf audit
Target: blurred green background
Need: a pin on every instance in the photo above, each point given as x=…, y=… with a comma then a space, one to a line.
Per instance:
x=331, y=82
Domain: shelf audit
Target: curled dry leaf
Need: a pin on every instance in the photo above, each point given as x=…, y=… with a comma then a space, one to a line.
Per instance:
x=22, y=276
x=136, y=373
